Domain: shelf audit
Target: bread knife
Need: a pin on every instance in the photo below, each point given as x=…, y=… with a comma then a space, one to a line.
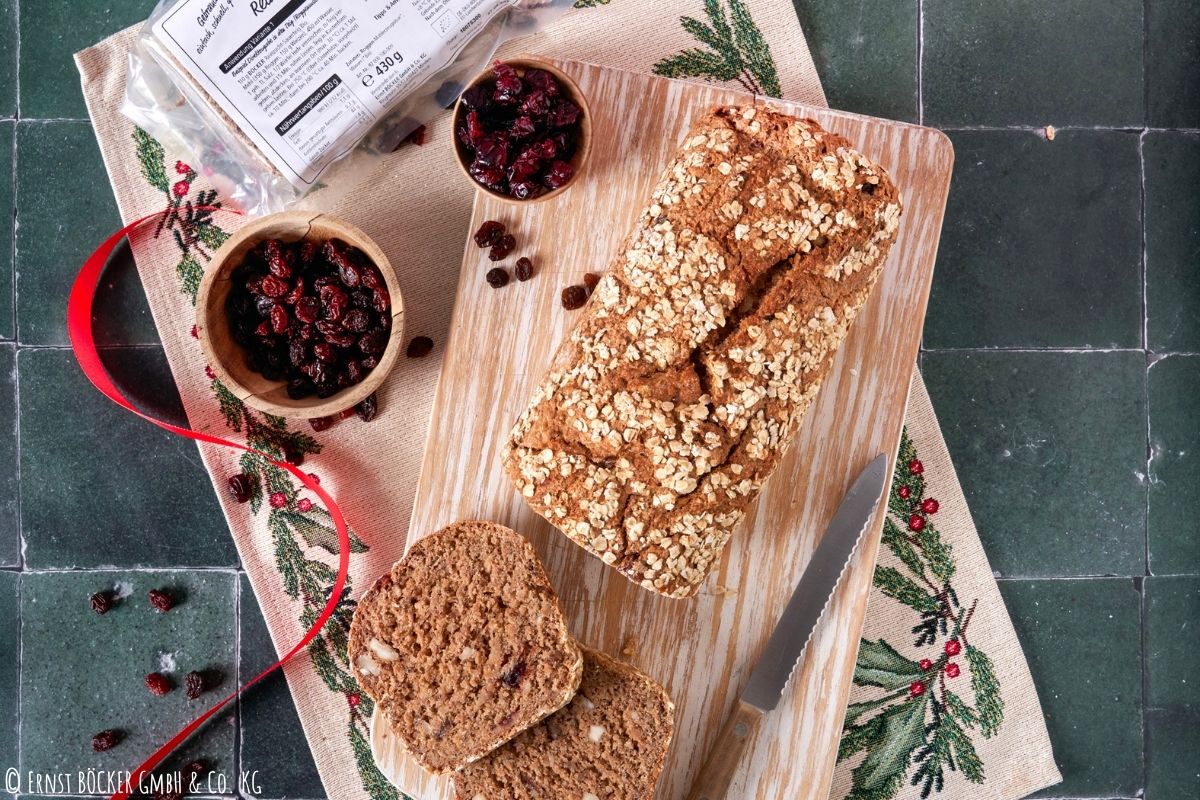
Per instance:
x=809, y=600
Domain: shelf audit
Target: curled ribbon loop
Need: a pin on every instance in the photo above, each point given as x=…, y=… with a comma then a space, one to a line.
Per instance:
x=79, y=325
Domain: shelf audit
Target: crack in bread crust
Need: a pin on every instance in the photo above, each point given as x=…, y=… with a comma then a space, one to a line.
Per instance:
x=687, y=377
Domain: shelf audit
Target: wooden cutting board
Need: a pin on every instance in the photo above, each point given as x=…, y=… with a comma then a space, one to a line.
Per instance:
x=501, y=341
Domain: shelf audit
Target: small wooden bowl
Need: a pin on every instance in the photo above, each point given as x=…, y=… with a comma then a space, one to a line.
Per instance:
x=228, y=358
x=571, y=91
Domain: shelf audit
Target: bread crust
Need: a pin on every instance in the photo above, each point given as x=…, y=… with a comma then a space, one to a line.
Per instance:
x=687, y=376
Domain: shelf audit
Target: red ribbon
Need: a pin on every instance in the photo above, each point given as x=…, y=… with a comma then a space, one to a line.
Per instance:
x=79, y=324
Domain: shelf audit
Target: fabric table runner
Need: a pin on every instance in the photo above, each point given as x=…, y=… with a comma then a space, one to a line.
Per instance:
x=943, y=704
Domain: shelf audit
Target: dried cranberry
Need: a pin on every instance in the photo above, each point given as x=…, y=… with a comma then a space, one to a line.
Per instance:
x=279, y=319
x=524, y=270
x=417, y=136
x=334, y=302
x=503, y=246
x=476, y=97
x=324, y=351
x=273, y=286
x=361, y=298
x=381, y=301
x=299, y=388
x=293, y=455
x=373, y=343
x=522, y=127
x=536, y=103
x=419, y=347
x=297, y=352
x=372, y=278
x=542, y=80
x=354, y=371
x=559, y=173
x=497, y=277
x=263, y=305
x=574, y=297
x=491, y=177
x=105, y=740
x=241, y=487
x=263, y=329
x=101, y=602
x=564, y=113
x=474, y=129
x=369, y=362
x=194, y=684
x=160, y=601
x=320, y=424
x=524, y=166
x=293, y=297
x=308, y=252
x=590, y=279
x=509, y=88
x=545, y=148
x=368, y=408
x=158, y=684
x=493, y=150
x=524, y=190
x=356, y=320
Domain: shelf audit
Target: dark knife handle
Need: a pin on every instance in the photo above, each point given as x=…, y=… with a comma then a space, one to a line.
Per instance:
x=726, y=753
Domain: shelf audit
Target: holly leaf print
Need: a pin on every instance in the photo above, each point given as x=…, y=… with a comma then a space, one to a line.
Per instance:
x=901, y=731
x=880, y=665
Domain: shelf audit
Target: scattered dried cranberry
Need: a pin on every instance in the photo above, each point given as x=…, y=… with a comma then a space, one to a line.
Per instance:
x=319, y=424
x=160, y=601
x=241, y=487
x=158, y=684
x=368, y=408
x=574, y=297
x=519, y=132
x=195, y=684
x=417, y=137
x=105, y=740
x=497, y=277
x=293, y=455
x=488, y=233
x=590, y=280
x=102, y=602
x=420, y=346
x=301, y=311
x=503, y=246
x=524, y=268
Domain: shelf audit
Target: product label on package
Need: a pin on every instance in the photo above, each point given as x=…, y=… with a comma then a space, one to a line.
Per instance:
x=306, y=79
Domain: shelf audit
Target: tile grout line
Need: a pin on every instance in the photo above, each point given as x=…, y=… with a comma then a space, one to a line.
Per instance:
x=1145, y=687
x=20, y=673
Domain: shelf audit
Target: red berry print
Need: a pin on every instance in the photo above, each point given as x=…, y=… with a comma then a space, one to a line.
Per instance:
x=953, y=647
x=916, y=467
x=353, y=699
x=904, y=492
x=926, y=665
x=916, y=523
x=916, y=689
x=929, y=505
x=182, y=168
x=315, y=478
x=212, y=376
x=952, y=670
x=304, y=505
x=278, y=500
x=181, y=188
x=195, y=333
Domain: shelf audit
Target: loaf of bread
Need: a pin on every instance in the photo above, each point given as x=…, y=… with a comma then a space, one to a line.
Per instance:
x=688, y=374
x=609, y=743
x=463, y=645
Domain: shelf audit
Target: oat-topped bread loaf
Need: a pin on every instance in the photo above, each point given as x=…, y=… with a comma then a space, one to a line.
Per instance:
x=687, y=376
x=609, y=743
x=463, y=644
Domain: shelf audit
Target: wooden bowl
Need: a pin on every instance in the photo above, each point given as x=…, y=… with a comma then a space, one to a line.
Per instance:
x=570, y=90
x=228, y=358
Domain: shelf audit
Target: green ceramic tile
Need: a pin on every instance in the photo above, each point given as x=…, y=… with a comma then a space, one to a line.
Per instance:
x=92, y=473
x=9, y=653
x=65, y=208
x=1051, y=452
x=82, y=673
x=1172, y=240
x=1042, y=243
x=10, y=543
x=866, y=54
x=7, y=298
x=1172, y=745
x=1028, y=62
x=1082, y=639
x=52, y=31
x=1173, y=641
x=8, y=59
x=1174, y=392
x=1173, y=64
x=274, y=749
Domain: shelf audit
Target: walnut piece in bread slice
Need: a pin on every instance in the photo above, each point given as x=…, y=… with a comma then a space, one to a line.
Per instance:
x=463, y=644
x=609, y=743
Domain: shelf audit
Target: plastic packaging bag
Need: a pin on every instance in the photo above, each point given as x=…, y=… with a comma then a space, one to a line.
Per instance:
x=276, y=99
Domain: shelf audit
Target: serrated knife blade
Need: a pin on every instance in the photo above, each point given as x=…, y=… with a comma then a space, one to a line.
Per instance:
x=808, y=602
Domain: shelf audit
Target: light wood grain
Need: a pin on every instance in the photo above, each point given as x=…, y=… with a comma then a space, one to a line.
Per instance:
x=704, y=648
x=723, y=761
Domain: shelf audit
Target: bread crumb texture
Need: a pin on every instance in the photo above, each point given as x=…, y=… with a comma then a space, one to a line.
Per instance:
x=687, y=376
x=463, y=644
x=609, y=743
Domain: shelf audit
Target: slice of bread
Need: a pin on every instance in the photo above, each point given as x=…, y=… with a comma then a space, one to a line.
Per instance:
x=463, y=644
x=609, y=743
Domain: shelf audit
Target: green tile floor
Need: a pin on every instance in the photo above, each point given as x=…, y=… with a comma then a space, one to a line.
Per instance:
x=1062, y=351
